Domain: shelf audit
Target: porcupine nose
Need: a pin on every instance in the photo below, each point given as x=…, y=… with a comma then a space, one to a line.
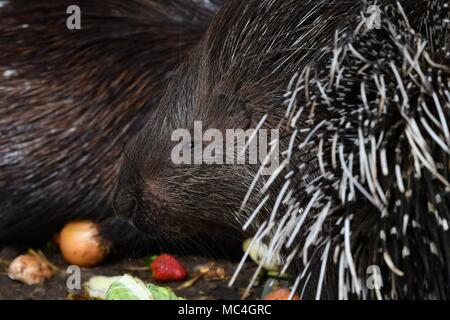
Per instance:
x=124, y=204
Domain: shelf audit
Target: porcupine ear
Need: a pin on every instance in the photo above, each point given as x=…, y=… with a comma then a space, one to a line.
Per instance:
x=236, y=106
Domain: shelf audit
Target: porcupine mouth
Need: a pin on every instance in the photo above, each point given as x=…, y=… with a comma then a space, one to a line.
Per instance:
x=156, y=220
x=152, y=219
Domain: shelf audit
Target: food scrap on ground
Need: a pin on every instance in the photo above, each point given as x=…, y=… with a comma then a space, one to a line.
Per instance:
x=128, y=287
x=97, y=286
x=30, y=269
x=167, y=268
x=281, y=294
x=80, y=243
x=257, y=252
x=212, y=271
x=212, y=284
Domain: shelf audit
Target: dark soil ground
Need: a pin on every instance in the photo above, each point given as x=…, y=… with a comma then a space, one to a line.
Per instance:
x=56, y=289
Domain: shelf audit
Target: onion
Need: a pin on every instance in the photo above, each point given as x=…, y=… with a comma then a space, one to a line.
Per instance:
x=30, y=269
x=81, y=244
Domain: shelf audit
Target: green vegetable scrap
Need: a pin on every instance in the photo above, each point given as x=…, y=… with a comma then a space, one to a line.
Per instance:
x=127, y=287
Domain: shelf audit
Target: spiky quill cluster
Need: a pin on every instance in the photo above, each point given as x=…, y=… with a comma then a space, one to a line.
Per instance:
x=374, y=111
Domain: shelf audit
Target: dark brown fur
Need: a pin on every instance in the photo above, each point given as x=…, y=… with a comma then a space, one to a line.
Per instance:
x=72, y=99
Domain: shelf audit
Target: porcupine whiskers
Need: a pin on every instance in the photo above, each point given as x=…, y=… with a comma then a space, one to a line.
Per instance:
x=380, y=193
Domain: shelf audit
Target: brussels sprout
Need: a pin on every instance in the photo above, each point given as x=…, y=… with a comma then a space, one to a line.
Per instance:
x=97, y=286
x=162, y=293
x=257, y=252
x=129, y=288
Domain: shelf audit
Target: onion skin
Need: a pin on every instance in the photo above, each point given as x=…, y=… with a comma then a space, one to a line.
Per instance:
x=80, y=244
x=29, y=269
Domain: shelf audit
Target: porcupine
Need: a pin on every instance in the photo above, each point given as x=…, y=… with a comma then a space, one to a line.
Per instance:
x=71, y=99
x=363, y=179
x=22, y=217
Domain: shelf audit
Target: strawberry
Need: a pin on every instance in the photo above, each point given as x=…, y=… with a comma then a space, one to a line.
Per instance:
x=167, y=268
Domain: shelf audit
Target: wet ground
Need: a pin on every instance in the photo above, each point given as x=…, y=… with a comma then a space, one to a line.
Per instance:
x=55, y=288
